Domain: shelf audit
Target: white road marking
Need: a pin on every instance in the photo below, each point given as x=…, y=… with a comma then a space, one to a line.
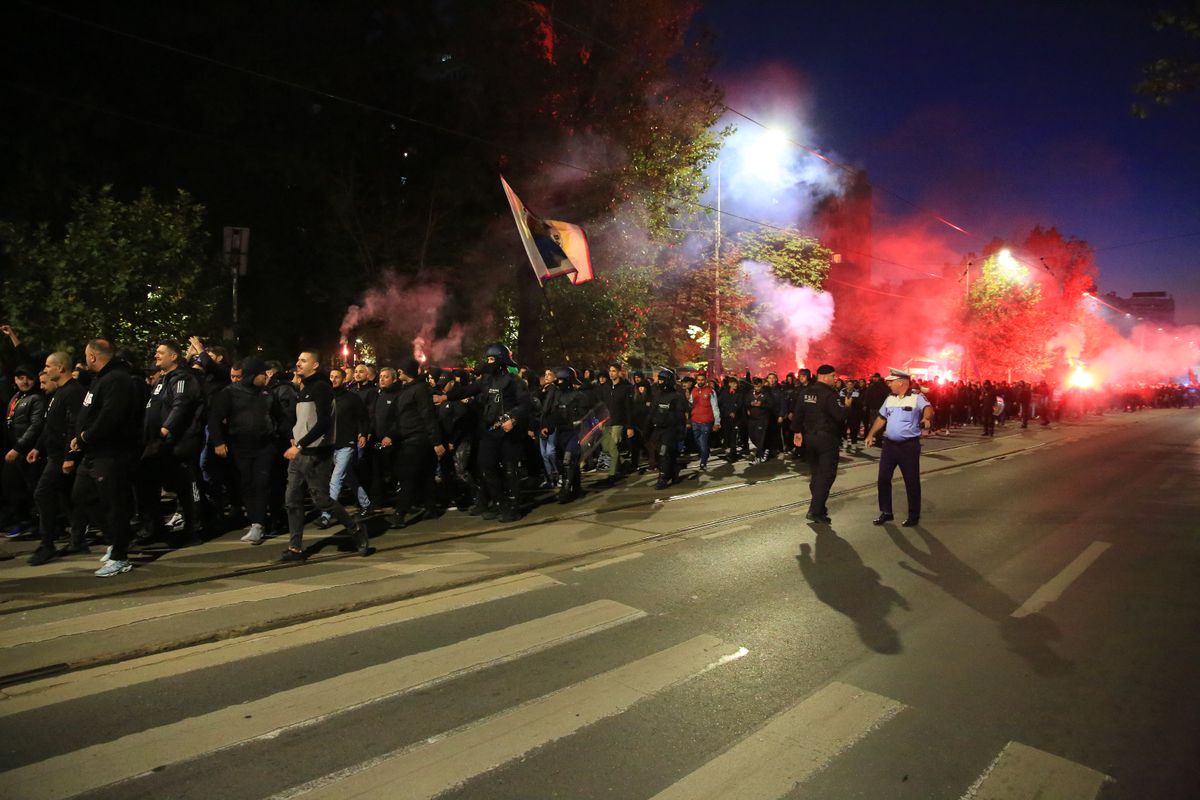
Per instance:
x=247, y=593
x=267, y=717
x=1021, y=772
x=607, y=562
x=790, y=748
x=444, y=762
x=84, y=683
x=726, y=532
x=1054, y=588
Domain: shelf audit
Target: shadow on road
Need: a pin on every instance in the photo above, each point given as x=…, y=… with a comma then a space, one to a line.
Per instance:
x=1029, y=636
x=841, y=581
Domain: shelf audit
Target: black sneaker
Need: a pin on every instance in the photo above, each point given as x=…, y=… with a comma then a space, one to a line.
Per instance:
x=43, y=555
x=80, y=549
x=822, y=518
x=291, y=556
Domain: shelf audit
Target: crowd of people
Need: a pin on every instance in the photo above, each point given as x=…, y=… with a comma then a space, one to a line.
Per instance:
x=197, y=444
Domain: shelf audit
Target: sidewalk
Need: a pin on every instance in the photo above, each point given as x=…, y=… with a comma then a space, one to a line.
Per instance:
x=59, y=616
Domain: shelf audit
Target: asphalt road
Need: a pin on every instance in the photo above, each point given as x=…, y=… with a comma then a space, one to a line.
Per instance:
x=1034, y=637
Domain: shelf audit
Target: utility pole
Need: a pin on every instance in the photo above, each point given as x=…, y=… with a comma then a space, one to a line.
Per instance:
x=714, y=330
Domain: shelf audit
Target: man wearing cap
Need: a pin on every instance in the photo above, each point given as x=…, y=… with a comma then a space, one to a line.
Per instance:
x=902, y=417
x=818, y=419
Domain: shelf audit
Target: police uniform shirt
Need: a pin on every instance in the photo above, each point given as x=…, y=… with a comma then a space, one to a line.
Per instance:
x=903, y=415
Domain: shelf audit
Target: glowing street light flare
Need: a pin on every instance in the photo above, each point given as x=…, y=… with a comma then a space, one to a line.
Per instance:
x=1011, y=269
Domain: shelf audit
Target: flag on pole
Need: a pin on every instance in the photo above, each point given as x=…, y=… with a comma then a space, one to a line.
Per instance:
x=554, y=248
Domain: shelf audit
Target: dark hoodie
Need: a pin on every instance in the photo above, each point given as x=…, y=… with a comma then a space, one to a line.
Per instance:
x=244, y=416
x=314, y=416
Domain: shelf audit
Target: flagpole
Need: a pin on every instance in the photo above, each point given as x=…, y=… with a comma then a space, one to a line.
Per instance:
x=553, y=320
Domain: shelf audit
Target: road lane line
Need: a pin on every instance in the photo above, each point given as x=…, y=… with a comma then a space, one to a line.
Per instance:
x=138, y=753
x=444, y=762
x=790, y=748
x=607, y=562
x=84, y=683
x=1021, y=772
x=246, y=593
x=726, y=532
x=1054, y=588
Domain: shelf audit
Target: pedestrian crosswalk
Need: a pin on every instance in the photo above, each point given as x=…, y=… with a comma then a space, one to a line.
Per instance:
x=645, y=664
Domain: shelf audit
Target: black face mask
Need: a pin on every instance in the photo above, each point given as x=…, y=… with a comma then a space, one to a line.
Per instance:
x=491, y=368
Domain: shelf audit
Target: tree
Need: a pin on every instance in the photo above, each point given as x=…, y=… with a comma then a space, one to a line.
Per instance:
x=794, y=258
x=1165, y=79
x=133, y=272
x=1007, y=323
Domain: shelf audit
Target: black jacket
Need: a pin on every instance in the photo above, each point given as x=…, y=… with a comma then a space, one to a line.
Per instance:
x=110, y=417
x=349, y=417
x=873, y=396
x=564, y=407
x=244, y=417
x=500, y=396
x=618, y=398
x=25, y=418
x=668, y=408
x=383, y=417
x=61, y=414
x=732, y=405
x=177, y=403
x=818, y=410
x=416, y=418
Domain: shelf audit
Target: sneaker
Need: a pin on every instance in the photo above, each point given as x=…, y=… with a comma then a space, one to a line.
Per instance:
x=43, y=555
x=104, y=559
x=293, y=556
x=15, y=532
x=255, y=535
x=324, y=523
x=176, y=520
x=113, y=567
x=80, y=549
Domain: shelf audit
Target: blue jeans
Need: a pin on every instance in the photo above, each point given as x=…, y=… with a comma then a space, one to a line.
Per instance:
x=549, y=457
x=701, y=431
x=343, y=473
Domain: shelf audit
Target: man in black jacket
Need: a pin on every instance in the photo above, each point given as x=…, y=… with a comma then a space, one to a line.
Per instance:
x=503, y=425
x=243, y=427
x=819, y=417
x=382, y=427
x=26, y=413
x=107, y=436
x=617, y=396
x=173, y=432
x=419, y=443
x=350, y=425
x=668, y=418
x=311, y=460
x=54, y=485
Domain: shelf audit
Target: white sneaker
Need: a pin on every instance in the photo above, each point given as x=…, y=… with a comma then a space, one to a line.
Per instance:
x=113, y=567
x=104, y=559
x=254, y=535
x=176, y=520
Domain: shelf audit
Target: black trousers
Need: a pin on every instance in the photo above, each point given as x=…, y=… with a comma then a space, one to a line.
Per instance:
x=415, y=462
x=254, y=467
x=178, y=473
x=989, y=423
x=53, y=498
x=905, y=454
x=102, y=492
x=499, y=461
x=821, y=453
x=17, y=481
x=665, y=442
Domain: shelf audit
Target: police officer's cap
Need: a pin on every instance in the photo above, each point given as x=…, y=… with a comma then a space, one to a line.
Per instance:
x=567, y=374
x=897, y=375
x=826, y=369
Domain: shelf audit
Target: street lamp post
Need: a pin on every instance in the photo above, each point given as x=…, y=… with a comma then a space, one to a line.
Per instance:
x=714, y=328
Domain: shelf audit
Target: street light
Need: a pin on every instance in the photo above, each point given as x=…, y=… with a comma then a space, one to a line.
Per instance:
x=764, y=158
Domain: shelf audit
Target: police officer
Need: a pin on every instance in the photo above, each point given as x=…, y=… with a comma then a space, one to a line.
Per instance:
x=565, y=406
x=419, y=443
x=668, y=418
x=905, y=414
x=818, y=419
x=503, y=421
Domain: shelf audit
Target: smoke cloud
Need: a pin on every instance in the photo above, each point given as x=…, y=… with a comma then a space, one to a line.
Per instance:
x=409, y=311
x=797, y=314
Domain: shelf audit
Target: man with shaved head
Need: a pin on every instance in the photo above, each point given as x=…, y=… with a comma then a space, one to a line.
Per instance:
x=107, y=441
x=54, y=485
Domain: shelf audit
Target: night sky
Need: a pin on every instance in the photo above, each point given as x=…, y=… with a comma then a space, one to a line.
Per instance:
x=998, y=116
